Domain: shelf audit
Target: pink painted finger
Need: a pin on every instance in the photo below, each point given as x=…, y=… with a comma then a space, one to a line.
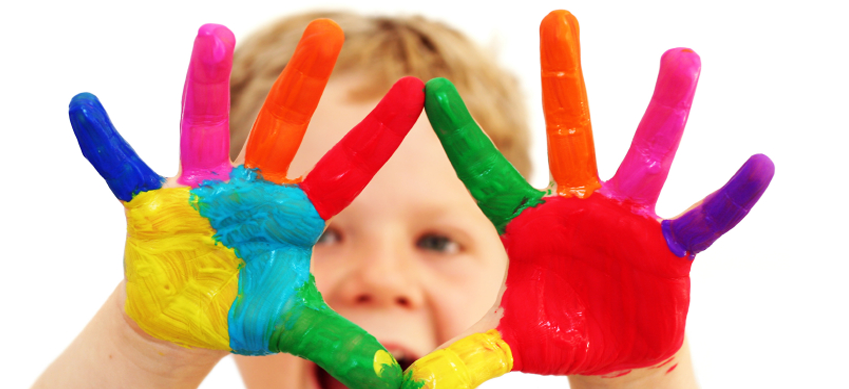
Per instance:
x=349, y=166
x=641, y=175
x=205, y=125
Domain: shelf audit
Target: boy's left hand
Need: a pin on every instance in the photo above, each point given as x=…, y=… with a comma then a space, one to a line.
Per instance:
x=597, y=283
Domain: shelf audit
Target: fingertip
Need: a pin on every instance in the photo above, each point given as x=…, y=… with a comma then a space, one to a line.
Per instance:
x=763, y=165
x=84, y=110
x=560, y=46
x=439, y=85
x=438, y=91
x=559, y=17
x=327, y=31
x=683, y=60
x=214, y=46
x=84, y=99
x=750, y=181
x=559, y=25
x=401, y=107
x=444, y=106
x=220, y=32
x=678, y=77
x=412, y=88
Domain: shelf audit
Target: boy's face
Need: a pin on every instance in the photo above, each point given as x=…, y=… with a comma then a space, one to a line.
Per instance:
x=412, y=260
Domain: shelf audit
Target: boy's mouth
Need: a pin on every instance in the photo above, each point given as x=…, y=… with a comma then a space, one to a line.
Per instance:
x=404, y=357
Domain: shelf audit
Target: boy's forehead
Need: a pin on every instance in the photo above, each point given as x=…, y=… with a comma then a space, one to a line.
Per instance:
x=337, y=113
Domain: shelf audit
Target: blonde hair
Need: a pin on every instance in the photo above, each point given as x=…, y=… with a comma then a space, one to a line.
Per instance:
x=385, y=49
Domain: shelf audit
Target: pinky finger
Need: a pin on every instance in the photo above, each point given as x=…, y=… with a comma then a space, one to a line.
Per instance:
x=719, y=212
x=112, y=157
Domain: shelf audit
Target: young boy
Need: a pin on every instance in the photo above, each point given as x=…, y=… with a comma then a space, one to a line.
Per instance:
x=411, y=260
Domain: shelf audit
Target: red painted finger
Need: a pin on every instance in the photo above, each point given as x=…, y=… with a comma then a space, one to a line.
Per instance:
x=349, y=166
x=286, y=113
x=643, y=171
x=205, y=125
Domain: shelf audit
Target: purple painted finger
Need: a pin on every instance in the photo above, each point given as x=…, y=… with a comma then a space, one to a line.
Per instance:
x=644, y=170
x=720, y=211
x=205, y=125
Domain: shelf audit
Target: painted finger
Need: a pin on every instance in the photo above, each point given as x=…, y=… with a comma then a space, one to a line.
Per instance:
x=500, y=191
x=112, y=157
x=205, y=125
x=465, y=364
x=343, y=349
x=571, y=153
x=643, y=171
x=347, y=168
x=280, y=125
x=719, y=212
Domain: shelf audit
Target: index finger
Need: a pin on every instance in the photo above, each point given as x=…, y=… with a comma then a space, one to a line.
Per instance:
x=571, y=153
x=499, y=190
x=283, y=119
x=205, y=124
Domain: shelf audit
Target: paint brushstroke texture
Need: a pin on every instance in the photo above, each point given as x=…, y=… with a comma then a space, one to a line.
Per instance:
x=219, y=258
x=597, y=283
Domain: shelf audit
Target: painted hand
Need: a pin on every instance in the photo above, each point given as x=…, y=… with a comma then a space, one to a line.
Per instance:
x=219, y=256
x=597, y=283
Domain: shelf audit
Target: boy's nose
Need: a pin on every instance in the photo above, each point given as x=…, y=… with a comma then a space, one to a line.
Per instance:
x=382, y=279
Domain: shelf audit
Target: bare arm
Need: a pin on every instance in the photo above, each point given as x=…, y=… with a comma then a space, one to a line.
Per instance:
x=113, y=352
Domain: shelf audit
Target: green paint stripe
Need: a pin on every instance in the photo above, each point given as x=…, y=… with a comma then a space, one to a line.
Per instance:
x=500, y=191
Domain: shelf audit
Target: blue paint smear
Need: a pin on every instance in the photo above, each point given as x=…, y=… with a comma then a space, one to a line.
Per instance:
x=273, y=229
x=720, y=211
x=112, y=157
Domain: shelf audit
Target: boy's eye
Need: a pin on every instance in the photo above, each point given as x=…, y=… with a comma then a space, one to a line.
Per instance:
x=329, y=237
x=439, y=243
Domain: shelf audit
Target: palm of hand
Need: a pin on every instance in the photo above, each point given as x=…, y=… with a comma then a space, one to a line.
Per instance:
x=219, y=256
x=591, y=286
x=220, y=251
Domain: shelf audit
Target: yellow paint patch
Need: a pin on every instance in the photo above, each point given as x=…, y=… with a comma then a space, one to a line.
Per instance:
x=466, y=363
x=180, y=283
x=381, y=359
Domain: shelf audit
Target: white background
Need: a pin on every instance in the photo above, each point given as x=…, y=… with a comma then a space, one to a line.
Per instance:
x=769, y=300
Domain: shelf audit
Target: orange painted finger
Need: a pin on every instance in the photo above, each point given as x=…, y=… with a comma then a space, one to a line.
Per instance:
x=286, y=113
x=571, y=154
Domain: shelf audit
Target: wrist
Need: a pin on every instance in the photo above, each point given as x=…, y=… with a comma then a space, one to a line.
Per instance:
x=113, y=352
x=676, y=372
x=167, y=360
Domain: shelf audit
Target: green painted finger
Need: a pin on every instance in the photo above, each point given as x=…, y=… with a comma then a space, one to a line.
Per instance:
x=500, y=191
x=343, y=349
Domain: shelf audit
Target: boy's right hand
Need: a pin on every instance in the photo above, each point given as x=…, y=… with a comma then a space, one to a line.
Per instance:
x=219, y=256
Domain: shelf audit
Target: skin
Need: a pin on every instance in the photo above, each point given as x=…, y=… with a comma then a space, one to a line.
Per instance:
x=414, y=264
x=411, y=260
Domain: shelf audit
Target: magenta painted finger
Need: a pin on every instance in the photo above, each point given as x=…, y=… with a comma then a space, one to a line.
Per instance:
x=643, y=171
x=349, y=166
x=205, y=125
x=698, y=228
